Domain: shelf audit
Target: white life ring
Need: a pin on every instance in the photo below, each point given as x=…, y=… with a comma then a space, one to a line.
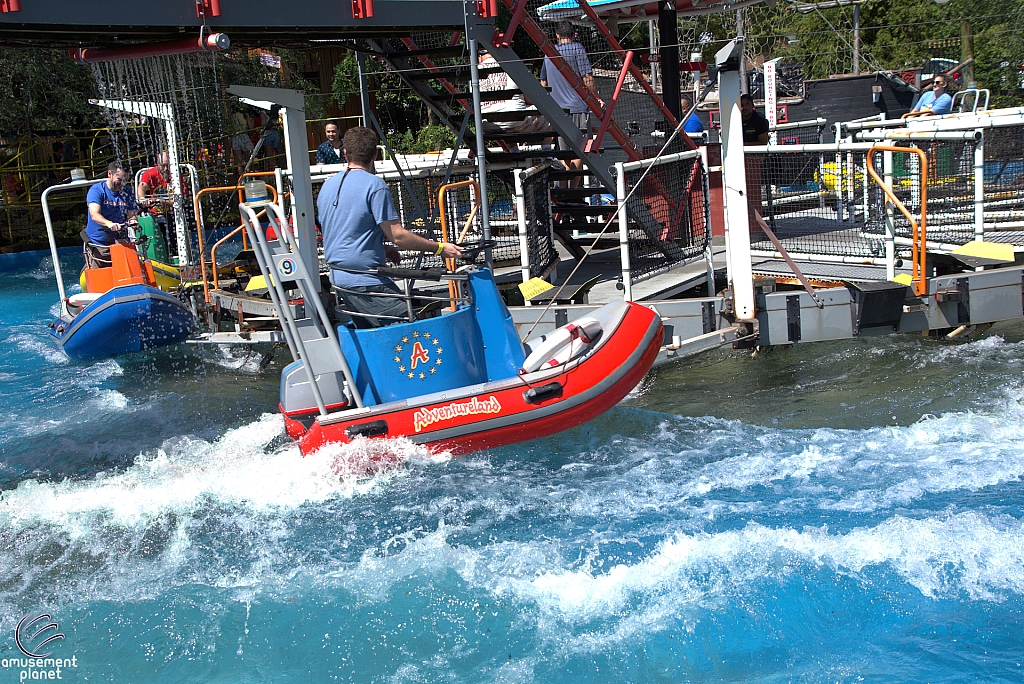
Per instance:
x=563, y=345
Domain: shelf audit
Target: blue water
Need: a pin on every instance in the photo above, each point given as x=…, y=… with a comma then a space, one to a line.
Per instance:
x=839, y=512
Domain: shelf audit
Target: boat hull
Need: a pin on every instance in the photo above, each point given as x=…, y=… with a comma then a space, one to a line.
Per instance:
x=500, y=413
x=123, y=320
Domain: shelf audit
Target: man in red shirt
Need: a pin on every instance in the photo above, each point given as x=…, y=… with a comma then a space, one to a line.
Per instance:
x=152, y=195
x=152, y=190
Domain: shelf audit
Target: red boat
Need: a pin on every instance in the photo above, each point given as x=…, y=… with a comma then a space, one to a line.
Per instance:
x=457, y=382
x=529, y=405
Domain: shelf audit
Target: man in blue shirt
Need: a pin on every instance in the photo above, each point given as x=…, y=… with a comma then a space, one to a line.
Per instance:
x=935, y=102
x=329, y=151
x=693, y=124
x=357, y=215
x=562, y=93
x=111, y=204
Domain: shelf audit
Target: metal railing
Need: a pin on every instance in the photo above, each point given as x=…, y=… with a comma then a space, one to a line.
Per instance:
x=538, y=255
x=665, y=223
x=920, y=241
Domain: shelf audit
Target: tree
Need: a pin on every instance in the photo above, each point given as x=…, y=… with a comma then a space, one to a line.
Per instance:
x=45, y=90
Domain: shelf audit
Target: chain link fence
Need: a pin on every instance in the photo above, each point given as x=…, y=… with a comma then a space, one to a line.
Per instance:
x=816, y=199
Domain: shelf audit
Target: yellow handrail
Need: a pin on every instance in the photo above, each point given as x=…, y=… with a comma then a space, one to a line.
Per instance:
x=450, y=263
x=919, y=242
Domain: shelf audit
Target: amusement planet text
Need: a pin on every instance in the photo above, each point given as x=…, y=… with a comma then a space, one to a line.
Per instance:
x=34, y=669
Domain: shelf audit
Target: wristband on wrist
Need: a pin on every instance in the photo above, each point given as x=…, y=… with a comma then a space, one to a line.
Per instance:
x=440, y=248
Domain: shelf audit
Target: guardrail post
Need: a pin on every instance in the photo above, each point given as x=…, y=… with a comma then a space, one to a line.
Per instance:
x=620, y=196
x=524, y=243
x=890, y=219
x=979, y=188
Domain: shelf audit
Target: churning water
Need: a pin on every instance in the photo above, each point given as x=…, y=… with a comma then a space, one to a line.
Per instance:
x=835, y=512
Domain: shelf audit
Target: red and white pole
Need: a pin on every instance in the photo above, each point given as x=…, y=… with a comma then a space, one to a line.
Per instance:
x=214, y=42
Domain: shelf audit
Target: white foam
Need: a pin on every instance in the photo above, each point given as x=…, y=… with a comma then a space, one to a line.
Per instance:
x=39, y=346
x=237, y=472
x=244, y=358
x=964, y=554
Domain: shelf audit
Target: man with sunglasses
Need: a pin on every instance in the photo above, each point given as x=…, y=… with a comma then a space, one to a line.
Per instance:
x=935, y=102
x=357, y=216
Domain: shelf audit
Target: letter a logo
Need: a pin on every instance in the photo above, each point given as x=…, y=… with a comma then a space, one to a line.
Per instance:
x=419, y=355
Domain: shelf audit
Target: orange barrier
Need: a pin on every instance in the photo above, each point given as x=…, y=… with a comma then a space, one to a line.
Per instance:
x=920, y=242
x=450, y=263
x=199, y=222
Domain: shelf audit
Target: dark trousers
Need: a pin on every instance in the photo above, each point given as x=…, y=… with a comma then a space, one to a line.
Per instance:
x=361, y=300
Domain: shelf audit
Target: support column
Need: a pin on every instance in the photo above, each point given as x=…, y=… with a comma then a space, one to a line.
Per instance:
x=669, y=53
x=734, y=183
x=856, y=39
x=481, y=145
x=741, y=35
x=979, y=188
x=178, y=208
x=364, y=91
x=296, y=151
x=653, y=44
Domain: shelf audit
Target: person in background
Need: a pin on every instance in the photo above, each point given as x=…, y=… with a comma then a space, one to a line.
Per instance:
x=755, y=132
x=111, y=205
x=755, y=126
x=152, y=194
x=241, y=143
x=272, y=140
x=330, y=150
x=693, y=124
x=935, y=102
x=357, y=215
x=564, y=95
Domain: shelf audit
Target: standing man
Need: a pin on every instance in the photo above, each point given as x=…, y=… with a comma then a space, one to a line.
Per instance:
x=330, y=150
x=357, y=215
x=564, y=95
x=935, y=102
x=755, y=132
x=111, y=205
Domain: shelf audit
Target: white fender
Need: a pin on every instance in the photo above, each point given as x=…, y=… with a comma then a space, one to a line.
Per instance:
x=563, y=345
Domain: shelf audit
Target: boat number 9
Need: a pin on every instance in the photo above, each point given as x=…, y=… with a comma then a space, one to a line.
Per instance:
x=286, y=267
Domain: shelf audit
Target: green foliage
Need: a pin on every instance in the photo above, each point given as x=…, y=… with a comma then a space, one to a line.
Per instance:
x=240, y=67
x=401, y=143
x=894, y=35
x=44, y=90
x=346, y=79
x=432, y=138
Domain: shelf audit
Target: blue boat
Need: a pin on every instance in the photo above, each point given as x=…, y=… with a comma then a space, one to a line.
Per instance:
x=125, y=319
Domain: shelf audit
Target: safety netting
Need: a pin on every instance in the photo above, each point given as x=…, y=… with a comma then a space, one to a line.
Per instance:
x=415, y=193
x=816, y=201
x=1004, y=182
x=666, y=213
x=535, y=221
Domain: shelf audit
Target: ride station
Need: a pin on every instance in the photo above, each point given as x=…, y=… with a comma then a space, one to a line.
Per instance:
x=581, y=278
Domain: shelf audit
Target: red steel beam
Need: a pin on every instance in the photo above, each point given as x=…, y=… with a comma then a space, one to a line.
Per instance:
x=595, y=144
x=640, y=78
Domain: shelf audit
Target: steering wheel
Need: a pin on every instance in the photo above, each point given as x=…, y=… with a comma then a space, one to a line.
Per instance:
x=471, y=250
